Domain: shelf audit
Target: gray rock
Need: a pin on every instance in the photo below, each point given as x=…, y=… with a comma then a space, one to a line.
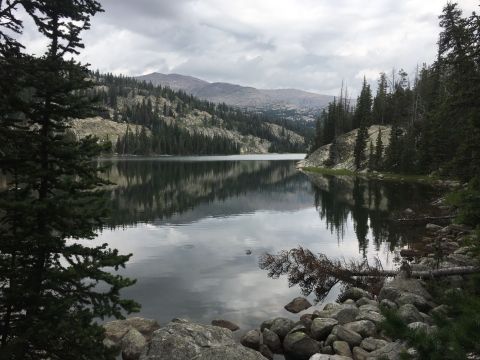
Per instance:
x=369, y=307
x=433, y=227
x=267, y=324
x=330, y=339
x=132, y=344
x=355, y=294
x=184, y=340
x=365, y=328
x=409, y=313
x=351, y=337
x=299, y=346
x=272, y=341
x=349, y=302
x=342, y=348
x=109, y=344
x=233, y=352
x=389, y=293
x=360, y=354
x=417, y=300
x=251, y=339
x=391, y=351
x=116, y=330
x=266, y=352
x=331, y=306
x=329, y=357
x=225, y=324
x=282, y=326
x=145, y=326
x=439, y=311
x=372, y=316
x=366, y=301
x=299, y=327
x=298, y=304
x=418, y=325
x=411, y=285
x=371, y=344
x=388, y=304
x=327, y=350
x=321, y=327
x=346, y=314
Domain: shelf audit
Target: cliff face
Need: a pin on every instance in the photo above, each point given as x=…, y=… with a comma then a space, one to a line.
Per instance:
x=103, y=129
x=344, y=146
x=111, y=124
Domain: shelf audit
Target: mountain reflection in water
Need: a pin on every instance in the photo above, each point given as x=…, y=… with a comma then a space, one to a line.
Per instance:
x=192, y=223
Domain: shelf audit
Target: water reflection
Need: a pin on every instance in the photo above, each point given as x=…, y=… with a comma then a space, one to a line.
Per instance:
x=197, y=229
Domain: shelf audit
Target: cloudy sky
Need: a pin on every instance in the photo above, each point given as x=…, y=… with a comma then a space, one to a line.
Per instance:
x=306, y=44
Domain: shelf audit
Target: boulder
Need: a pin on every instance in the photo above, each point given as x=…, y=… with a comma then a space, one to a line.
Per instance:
x=360, y=354
x=298, y=304
x=132, y=344
x=351, y=337
x=369, y=307
x=299, y=346
x=342, y=348
x=282, y=326
x=387, y=304
x=267, y=324
x=272, y=341
x=330, y=339
x=365, y=328
x=116, y=330
x=371, y=344
x=251, y=339
x=184, y=340
x=355, y=294
x=145, y=326
x=225, y=324
x=405, y=284
x=432, y=227
x=372, y=316
x=349, y=302
x=329, y=357
x=409, y=313
x=418, y=325
x=366, y=301
x=266, y=352
x=390, y=293
x=346, y=314
x=321, y=327
x=391, y=351
x=327, y=350
x=414, y=299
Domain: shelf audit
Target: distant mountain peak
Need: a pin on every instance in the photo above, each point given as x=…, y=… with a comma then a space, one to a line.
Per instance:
x=241, y=96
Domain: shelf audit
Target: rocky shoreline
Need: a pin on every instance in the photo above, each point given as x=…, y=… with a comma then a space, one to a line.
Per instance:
x=335, y=331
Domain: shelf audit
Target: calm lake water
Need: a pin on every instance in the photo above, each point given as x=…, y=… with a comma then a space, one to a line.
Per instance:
x=196, y=227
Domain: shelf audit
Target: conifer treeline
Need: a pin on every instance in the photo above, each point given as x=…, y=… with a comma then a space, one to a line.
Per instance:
x=435, y=120
x=167, y=137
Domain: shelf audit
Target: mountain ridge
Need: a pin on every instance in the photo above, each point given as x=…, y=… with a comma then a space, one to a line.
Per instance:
x=305, y=103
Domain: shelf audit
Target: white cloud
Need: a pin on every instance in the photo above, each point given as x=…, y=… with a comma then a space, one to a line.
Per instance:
x=307, y=44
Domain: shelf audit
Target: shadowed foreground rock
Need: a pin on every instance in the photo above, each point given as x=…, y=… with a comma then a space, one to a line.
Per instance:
x=185, y=340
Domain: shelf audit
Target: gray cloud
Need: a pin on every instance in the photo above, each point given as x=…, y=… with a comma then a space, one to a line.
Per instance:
x=306, y=44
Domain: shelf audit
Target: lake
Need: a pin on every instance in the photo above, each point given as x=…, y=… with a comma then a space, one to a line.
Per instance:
x=196, y=227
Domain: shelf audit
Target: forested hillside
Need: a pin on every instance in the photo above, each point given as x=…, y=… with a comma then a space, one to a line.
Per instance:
x=434, y=117
x=158, y=120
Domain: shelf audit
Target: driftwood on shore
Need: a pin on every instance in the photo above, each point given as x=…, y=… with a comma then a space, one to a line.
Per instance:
x=318, y=273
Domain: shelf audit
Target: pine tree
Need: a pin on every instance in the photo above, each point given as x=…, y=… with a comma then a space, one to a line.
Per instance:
x=359, y=149
x=50, y=300
x=378, y=151
x=363, y=110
